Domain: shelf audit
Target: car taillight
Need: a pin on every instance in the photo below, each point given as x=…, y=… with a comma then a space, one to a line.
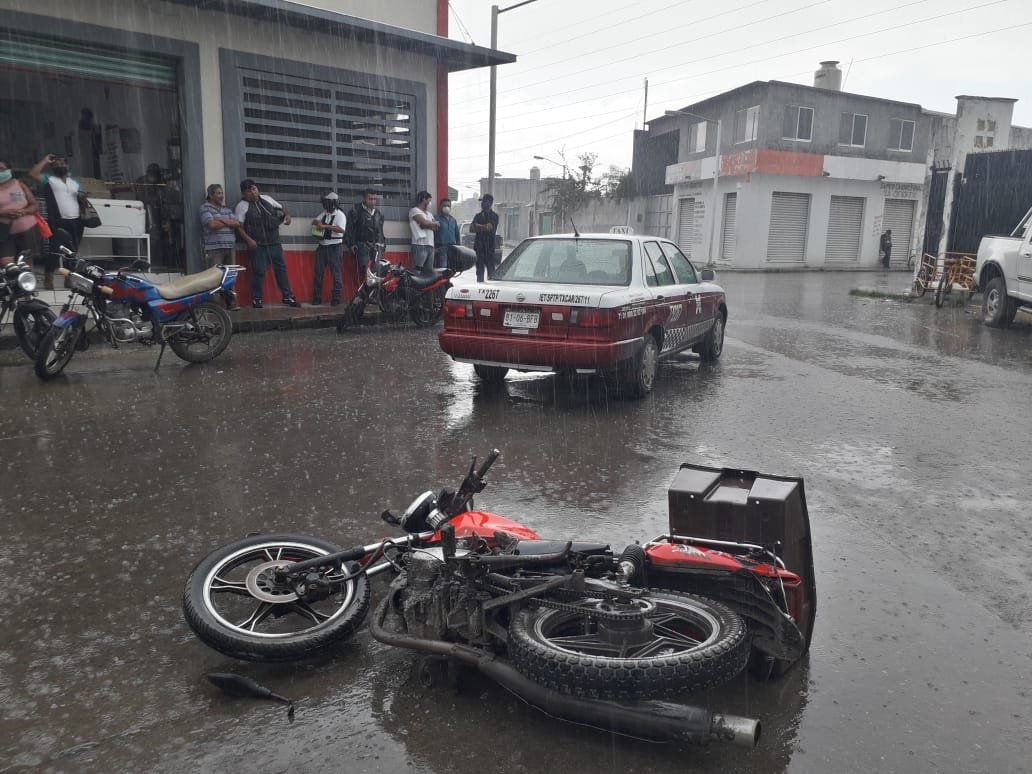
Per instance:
x=592, y=318
x=459, y=310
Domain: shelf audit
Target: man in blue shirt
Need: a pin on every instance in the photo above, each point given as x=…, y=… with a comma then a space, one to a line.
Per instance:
x=447, y=234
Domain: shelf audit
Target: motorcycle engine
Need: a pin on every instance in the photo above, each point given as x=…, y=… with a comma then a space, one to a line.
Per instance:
x=435, y=603
x=127, y=323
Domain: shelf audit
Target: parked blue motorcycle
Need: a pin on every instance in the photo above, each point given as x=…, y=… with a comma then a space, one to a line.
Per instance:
x=187, y=314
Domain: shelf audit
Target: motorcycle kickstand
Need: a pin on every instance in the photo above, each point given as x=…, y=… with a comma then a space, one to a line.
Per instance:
x=161, y=353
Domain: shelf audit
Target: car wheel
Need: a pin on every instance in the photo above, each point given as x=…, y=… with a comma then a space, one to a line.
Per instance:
x=997, y=309
x=491, y=374
x=643, y=368
x=713, y=344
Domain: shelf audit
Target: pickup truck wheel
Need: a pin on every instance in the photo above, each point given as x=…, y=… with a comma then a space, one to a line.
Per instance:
x=490, y=374
x=997, y=310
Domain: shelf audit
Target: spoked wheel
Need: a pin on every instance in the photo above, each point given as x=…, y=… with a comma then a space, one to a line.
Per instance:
x=427, y=309
x=206, y=334
x=922, y=281
x=659, y=645
x=31, y=326
x=352, y=314
x=234, y=602
x=941, y=291
x=56, y=350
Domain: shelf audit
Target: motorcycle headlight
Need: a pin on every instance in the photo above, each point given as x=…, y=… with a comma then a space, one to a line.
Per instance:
x=27, y=281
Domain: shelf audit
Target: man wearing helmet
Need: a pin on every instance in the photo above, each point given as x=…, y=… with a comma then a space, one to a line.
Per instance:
x=328, y=228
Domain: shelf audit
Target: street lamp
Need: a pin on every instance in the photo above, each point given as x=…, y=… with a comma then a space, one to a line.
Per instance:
x=550, y=161
x=716, y=179
x=495, y=11
x=562, y=214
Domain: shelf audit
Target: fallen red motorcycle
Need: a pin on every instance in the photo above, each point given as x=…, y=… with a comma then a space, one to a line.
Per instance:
x=574, y=629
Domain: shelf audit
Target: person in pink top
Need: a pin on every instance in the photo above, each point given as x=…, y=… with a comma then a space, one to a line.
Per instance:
x=18, y=208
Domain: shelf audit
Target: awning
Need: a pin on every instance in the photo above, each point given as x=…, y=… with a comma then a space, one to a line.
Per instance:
x=458, y=56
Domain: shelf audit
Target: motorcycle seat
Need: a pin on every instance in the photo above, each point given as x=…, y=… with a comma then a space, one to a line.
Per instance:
x=191, y=284
x=539, y=547
x=426, y=279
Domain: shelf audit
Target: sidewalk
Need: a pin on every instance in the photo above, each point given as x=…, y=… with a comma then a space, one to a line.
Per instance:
x=273, y=316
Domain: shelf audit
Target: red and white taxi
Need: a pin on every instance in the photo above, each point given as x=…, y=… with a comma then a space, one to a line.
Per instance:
x=607, y=303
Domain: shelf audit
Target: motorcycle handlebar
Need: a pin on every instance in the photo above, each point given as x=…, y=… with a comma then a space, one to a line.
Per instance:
x=488, y=462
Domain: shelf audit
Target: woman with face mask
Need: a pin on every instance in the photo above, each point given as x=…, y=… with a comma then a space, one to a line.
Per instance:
x=18, y=207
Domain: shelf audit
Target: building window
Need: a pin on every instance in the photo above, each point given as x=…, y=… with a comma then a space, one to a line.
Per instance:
x=697, y=138
x=853, y=130
x=978, y=141
x=981, y=124
x=988, y=142
x=746, y=123
x=901, y=135
x=305, y=130
x=798, y=123
x=990, y=126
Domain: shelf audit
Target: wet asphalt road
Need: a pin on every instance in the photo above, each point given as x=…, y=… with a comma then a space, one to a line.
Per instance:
x=909, y=425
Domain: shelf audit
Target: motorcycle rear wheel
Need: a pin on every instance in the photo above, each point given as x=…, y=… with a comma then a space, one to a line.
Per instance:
x=427, y=310
x=233, y=603
x=205, y=339
x=31, y=327
x=686, y=643
x=56, y=350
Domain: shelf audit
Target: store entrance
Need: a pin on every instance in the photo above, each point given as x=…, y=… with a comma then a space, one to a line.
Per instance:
x=114, y=114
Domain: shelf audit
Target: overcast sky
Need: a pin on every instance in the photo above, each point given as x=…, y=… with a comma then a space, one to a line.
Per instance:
x=578, y=84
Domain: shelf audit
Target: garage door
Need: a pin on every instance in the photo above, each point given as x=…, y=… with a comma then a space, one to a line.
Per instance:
x=686, y=225
x=899, y=217
x=789, y=217
x=845, y=218
x=729, y=233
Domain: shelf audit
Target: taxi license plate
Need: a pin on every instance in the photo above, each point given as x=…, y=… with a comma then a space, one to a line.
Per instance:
x=514, y=319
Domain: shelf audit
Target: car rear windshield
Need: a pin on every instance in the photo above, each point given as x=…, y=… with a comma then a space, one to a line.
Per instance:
x=573, y=261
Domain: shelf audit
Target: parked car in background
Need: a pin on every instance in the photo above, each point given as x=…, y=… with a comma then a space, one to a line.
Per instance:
x=1003, y=273
x=607, y=303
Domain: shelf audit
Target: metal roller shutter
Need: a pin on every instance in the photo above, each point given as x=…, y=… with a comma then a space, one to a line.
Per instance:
x=686, y=225
x=899, y=217
x=845, y=219
x=789, y=218
x=729, y=234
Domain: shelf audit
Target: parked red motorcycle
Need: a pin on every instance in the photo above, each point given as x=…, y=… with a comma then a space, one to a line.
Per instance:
x=571, y=627
x=399, y=292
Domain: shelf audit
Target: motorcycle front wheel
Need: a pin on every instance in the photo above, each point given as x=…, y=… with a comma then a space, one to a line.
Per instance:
x=597, y=649
x=234, y=603
x=56, y=350
x=352, y=314
x=31, y=326
x=205, y=333
x=427, y=309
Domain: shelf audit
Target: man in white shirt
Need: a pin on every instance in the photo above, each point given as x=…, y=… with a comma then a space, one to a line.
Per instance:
x=61, y=194
x=423, y=227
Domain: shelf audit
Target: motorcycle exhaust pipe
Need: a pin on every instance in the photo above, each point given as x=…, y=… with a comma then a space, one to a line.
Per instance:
x=655, y=721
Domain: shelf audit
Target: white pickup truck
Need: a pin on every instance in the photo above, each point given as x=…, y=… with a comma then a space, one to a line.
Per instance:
x=1003, y=272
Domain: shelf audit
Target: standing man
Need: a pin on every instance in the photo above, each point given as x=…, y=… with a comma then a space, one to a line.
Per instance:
x=485, y=226
x=364, y=231
x=885, y=247
x=61, y=193
x=333, y=223
x=423, y=228
x=262, y=216
x=447, y=234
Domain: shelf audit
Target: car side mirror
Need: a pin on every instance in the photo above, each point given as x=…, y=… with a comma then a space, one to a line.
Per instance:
x=140, y=264
x=708, y=275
